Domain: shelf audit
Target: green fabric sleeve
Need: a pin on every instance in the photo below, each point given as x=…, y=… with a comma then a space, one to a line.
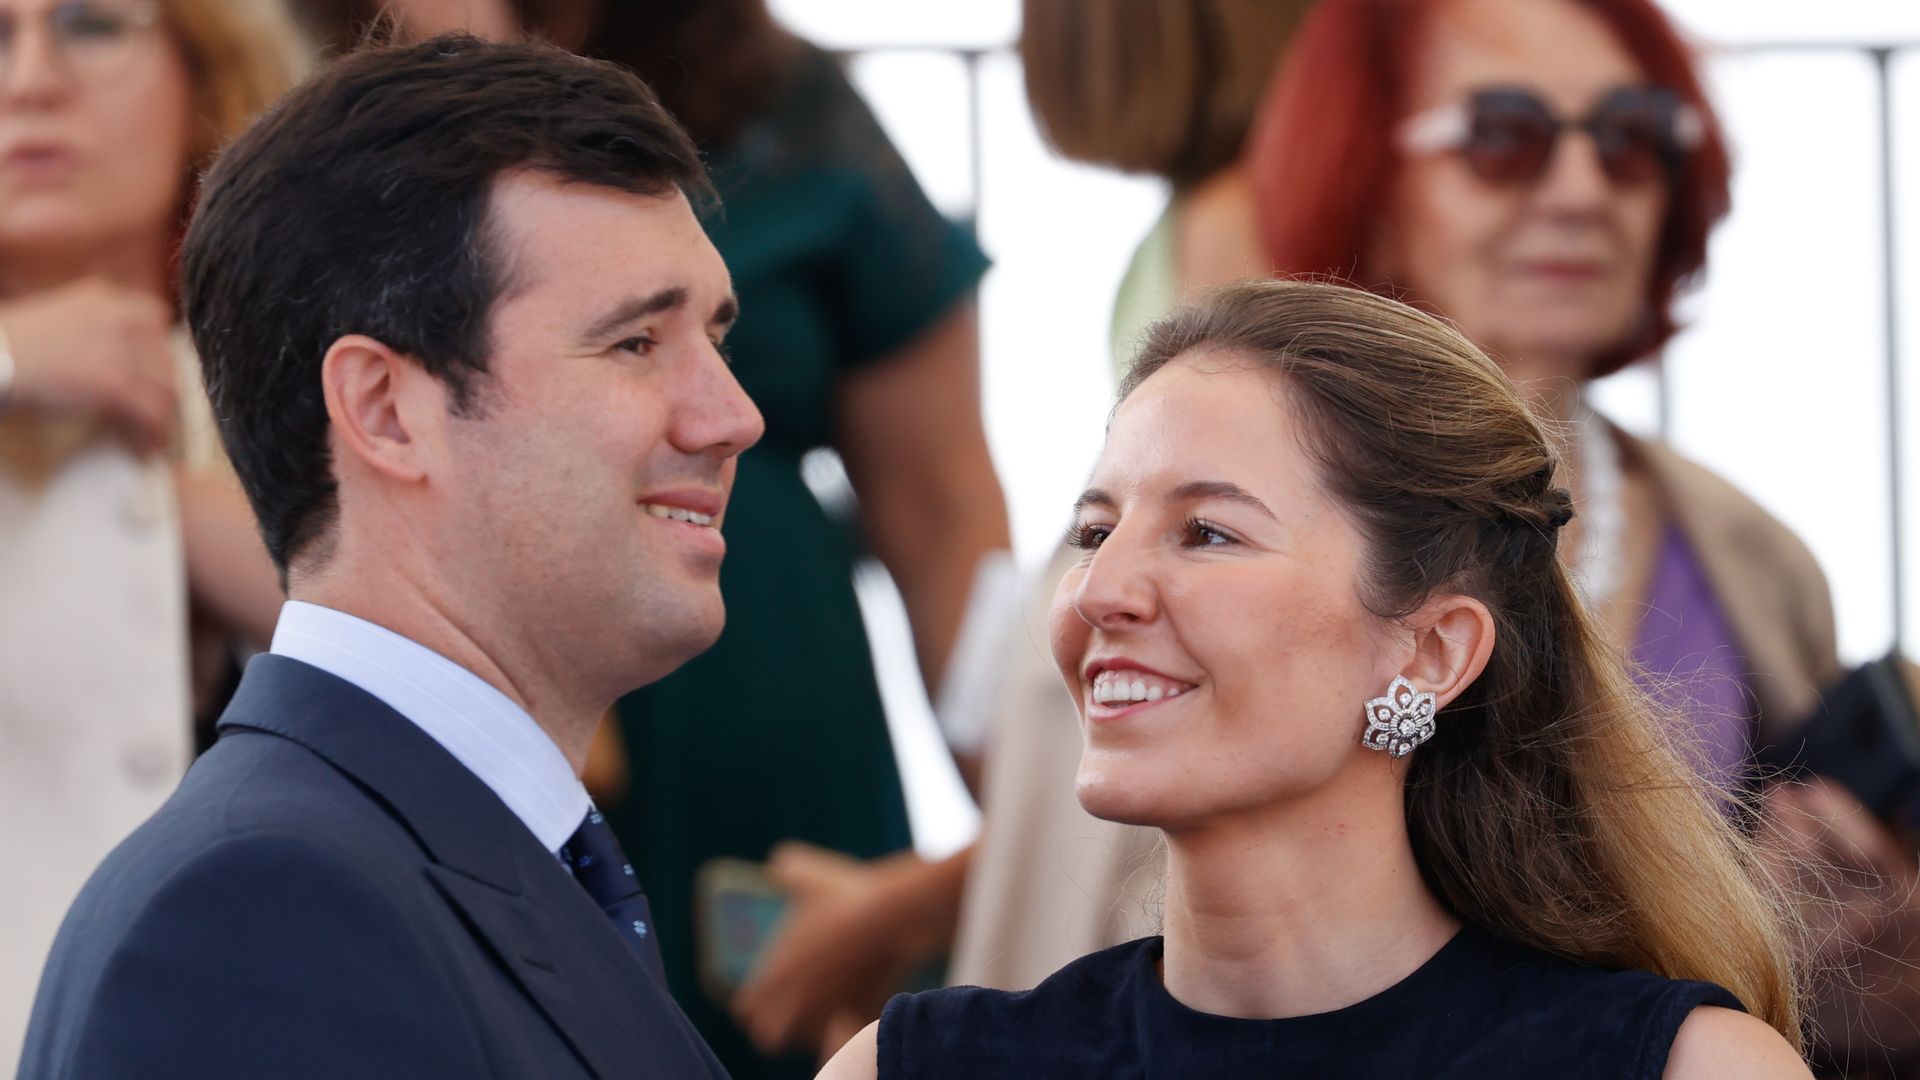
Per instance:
x=905, y=267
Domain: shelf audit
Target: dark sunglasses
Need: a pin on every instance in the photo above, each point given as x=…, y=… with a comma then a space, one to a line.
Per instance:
x=1507, y=134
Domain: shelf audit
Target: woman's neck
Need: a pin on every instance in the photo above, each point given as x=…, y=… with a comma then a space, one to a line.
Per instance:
x=1276, y=918
x=139, y=264
x=1553, y=385
x=1215, y=237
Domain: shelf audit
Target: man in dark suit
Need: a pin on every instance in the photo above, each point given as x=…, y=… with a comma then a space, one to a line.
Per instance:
x=461, y=329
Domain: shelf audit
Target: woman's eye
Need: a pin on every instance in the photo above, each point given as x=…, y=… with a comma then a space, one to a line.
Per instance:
x=1202, y=534
x=1087, y=537
x=87, y=22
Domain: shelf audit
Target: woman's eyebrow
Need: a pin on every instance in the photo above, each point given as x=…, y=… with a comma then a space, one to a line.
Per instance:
x=1188, y=492
x=1218, y=489
x=1093, y=497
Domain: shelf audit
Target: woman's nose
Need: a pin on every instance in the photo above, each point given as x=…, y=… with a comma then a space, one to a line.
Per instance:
x=1117, y=589
x=1575, y=181
x=32, y=70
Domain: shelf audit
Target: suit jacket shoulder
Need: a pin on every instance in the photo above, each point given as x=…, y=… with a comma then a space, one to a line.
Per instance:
x=329, y=893
x=265, y=950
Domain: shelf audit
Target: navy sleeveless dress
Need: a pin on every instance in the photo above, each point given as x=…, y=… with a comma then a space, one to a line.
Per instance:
x=1481, y=1007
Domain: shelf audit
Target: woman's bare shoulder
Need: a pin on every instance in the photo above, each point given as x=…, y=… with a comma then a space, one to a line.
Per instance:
x=1726, y=1044
x=859, y=1059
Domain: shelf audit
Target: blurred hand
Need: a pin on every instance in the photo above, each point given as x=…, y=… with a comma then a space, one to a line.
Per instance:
x=490, y=19
x=95, y=350
x=1857, y=892
x=843, y=1026
x=1845, y=868
x=853, y=932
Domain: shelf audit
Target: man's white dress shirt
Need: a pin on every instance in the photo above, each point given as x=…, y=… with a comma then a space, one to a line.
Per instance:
x=493, y=737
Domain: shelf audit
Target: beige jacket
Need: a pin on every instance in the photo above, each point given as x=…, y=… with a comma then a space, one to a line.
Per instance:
x=94, y=698
x=1049, y=882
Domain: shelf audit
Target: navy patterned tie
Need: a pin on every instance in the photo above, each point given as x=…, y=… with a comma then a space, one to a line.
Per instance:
x=594, y=856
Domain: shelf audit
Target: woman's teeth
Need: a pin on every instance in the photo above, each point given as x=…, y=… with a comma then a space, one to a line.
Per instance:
x=1129, y=687
x=676, y=513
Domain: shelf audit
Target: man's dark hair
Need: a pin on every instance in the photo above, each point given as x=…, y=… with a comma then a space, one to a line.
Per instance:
x=359, y=205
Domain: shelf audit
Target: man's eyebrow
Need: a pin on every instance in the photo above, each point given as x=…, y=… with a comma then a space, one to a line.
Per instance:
x=635, y=308
x=1218, y=489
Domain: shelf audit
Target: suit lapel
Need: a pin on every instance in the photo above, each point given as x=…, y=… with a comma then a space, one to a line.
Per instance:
x=569, y=959
x=514, y=895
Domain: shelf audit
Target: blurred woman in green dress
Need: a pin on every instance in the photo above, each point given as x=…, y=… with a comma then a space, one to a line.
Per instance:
x=858, y=333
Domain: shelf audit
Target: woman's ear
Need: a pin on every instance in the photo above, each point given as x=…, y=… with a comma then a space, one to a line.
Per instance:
x=1452, y=639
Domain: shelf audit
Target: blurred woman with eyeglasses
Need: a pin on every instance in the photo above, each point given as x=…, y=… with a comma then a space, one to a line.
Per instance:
x=128, y=565
x=1545, y=173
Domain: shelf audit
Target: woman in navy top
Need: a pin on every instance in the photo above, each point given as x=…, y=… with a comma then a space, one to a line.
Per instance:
x=1419, y=822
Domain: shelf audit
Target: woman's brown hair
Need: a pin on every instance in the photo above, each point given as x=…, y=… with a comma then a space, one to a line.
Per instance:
x=1553, y=806
x=241, y=56
x=1167, y=87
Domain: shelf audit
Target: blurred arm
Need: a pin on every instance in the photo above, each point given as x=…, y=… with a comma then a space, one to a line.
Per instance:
x=910, y=431
x=228, y=572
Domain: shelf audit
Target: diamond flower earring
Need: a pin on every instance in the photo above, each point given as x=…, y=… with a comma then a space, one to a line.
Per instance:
x=1400, y=721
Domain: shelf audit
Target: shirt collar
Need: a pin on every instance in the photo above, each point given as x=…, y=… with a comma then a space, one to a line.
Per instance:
x=480, y=726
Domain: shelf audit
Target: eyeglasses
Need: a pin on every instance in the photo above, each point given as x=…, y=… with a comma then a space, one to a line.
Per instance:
x=92, y=36
x=1507, y=135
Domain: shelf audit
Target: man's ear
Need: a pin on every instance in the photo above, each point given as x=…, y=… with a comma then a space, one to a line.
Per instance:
x=1452, y=639
x=386, y=410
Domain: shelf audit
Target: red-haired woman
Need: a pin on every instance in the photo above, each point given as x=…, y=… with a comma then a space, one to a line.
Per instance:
x=1545, y=173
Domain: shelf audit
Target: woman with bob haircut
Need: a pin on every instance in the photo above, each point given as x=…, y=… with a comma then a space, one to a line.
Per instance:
x=1168, y=89
x=1545, y=174
x=128, y=557
x=1419, y=821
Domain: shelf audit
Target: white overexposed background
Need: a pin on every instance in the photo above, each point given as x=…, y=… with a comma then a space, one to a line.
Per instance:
x=1780, y=383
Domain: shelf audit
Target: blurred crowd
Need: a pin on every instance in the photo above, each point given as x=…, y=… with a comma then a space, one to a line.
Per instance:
x=1545, y=174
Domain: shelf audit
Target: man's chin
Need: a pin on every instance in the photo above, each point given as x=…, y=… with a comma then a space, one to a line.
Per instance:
x=696, y=632
x=706, y=639
x=663, y=638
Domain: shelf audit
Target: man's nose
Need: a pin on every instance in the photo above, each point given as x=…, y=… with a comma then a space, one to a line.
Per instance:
x=717, y=417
